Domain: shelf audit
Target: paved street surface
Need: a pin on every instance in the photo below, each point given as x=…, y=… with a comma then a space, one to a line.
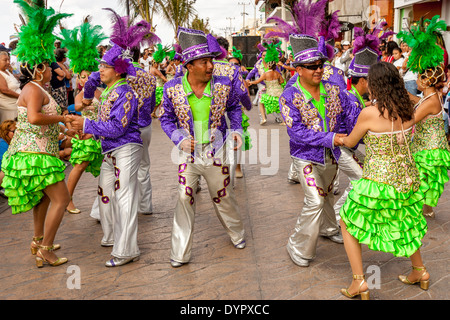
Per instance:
x=217, y=271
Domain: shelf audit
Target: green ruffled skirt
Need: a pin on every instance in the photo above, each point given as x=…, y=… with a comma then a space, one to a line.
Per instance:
x=433, y=166
x=271, y=103
x=377, y=215
x=247, y=143
x=159, y=91
x=87, y=150
x=26, y=175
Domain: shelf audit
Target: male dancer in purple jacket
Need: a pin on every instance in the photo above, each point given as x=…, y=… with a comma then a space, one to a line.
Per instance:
x=118, y=129
x=194, y=108
x=315, y=112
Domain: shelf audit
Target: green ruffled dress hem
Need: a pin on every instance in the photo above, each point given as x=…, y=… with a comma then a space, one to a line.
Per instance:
x=159, y=91
x=271, y=103
x=386, y=220
x=26, y=175
x=87, y=150
x=433, y=166
x=247, y=143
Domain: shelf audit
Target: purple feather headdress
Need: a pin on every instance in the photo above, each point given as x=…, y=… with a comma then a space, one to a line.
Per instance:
x=363, y=40
x=387, y=34
x=330, y=26
x=307, y=16
x=131, y=37
x=329, y=29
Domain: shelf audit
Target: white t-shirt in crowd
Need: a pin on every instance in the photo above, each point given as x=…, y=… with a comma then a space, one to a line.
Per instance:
x=146, y=63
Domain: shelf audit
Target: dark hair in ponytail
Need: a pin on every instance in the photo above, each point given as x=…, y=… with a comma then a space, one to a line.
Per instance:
x=387, y=87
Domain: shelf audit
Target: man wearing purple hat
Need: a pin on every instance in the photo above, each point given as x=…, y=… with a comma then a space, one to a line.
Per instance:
x=118, y=129
x=130, y=38
x=316, y=111
x=194, y=108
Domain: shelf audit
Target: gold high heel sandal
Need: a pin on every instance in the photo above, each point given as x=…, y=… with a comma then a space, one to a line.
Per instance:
x=40, y=258
x=35, y=246
x=364, y=295
x=424, y=284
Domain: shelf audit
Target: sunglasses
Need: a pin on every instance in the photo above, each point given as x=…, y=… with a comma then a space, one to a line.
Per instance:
x=313, y=67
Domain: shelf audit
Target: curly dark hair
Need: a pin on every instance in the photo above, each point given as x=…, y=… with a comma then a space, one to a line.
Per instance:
x=386, y=86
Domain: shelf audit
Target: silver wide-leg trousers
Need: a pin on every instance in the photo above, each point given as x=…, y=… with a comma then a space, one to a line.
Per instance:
x=317, y=216
x=216, y=171
x=145, y=184
x=117, y=194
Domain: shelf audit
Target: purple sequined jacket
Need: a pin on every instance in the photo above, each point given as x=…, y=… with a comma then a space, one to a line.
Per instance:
x=117, y=123
x=177, y=120
x=231, y=71
x=143, y=84
x=308, y=140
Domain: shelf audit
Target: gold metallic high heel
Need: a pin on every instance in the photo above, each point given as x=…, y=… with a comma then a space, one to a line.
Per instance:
x=365, y=295
x=35, y=246
x=74, y=211
x=424, y=284
x=428, y=211
x=40, y=258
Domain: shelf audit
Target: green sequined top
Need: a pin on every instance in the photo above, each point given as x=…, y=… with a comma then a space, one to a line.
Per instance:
x=388, y=160
x=430, y=134
x=91, y=112
x=35, y=138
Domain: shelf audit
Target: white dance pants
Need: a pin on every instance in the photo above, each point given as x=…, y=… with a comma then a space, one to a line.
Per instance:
x=145, y=184
x=216, y=171
x=117, y=194
x=317, y=216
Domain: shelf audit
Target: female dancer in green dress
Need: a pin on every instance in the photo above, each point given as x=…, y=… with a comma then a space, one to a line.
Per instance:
x=384, y=208
x=86, y=153
x=430, y=146
x=274, y=84
x=34, y=175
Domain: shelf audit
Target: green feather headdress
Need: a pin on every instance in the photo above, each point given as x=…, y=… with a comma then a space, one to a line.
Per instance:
x=272, y=53
x=159, y=54
x=237, y=54
x=81, y=44
x=425, y=53
x=36, y=40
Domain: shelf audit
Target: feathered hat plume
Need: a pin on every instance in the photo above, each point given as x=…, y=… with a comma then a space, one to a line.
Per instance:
x=131, y=37
x=425, y=53
x=365, y=40
x=237, y=54
x=159, y=54
x=82, y=43
x=272, y=52
x=307, y=16
x=36, y=40
x=329, y=29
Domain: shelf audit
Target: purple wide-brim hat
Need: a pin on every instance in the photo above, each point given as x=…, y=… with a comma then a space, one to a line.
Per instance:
x=196, y=45
x=119, y=59
x=307, y=49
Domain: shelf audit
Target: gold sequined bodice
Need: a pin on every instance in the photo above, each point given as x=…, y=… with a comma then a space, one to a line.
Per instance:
x=388, y=160
x=36, y=138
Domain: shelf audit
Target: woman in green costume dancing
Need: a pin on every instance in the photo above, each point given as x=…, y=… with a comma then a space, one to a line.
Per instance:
x=274, y=84
x=430, y=147
x=384, y=208
x=86, y=153
x=34, y=175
